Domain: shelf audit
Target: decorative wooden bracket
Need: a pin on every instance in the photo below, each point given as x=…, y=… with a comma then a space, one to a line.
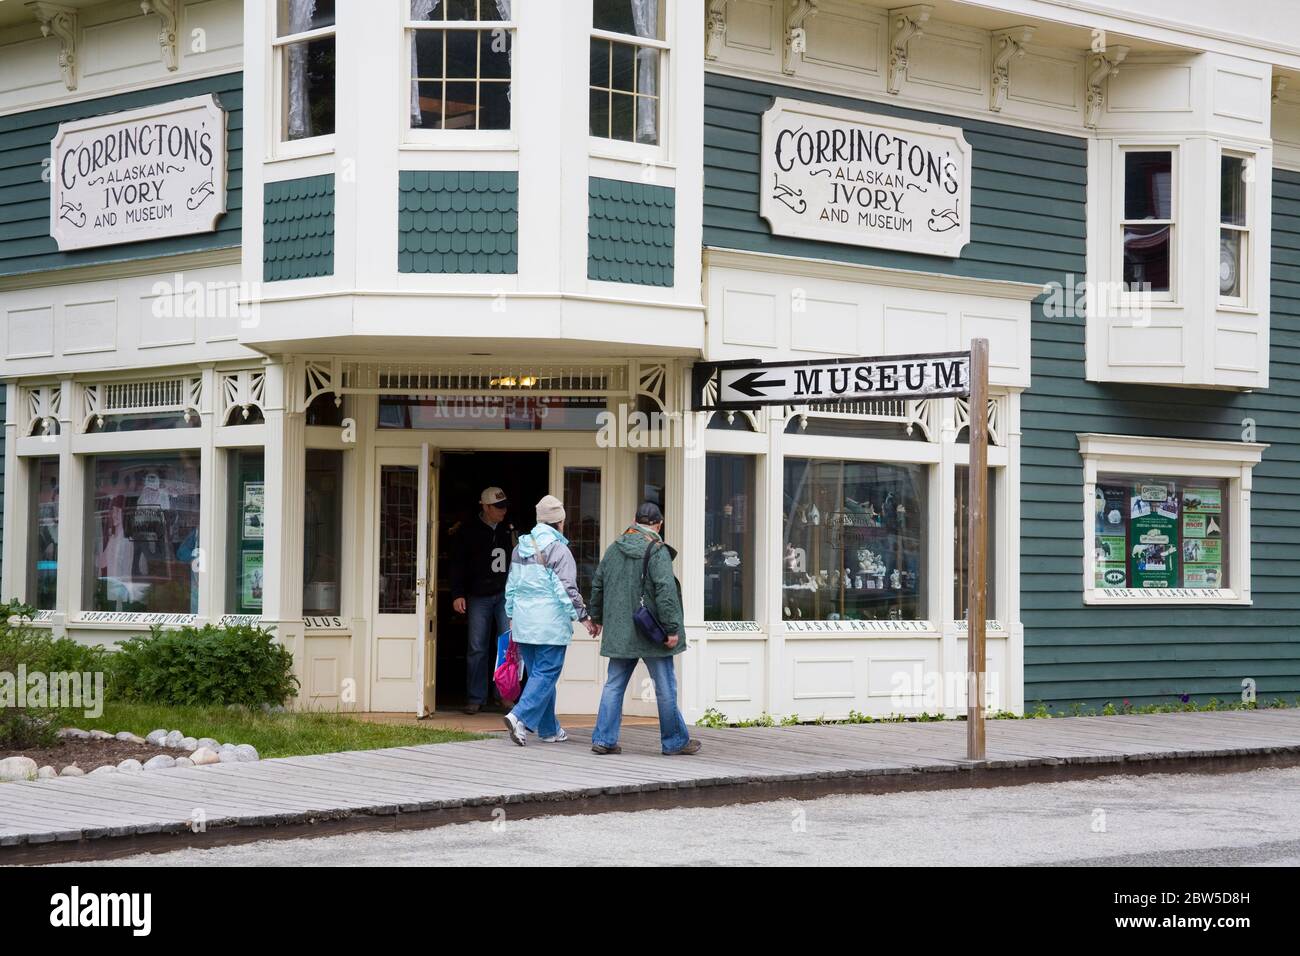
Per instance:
x=796, y=37
x=1100, y=66
x=60, y=21
x=905, y=23
x=1007, y=46
x=169, y=12
x=1279, y=84
x=717, y=29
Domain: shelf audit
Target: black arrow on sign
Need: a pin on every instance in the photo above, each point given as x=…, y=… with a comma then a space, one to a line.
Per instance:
x=753, y=384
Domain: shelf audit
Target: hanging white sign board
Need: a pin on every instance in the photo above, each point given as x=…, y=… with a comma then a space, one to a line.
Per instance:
x=150, y=173
x=864, y=179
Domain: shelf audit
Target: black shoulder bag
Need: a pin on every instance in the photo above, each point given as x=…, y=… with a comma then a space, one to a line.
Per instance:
x=644, y=618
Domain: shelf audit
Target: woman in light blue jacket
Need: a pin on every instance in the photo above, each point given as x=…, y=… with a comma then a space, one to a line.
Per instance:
x=542, y=602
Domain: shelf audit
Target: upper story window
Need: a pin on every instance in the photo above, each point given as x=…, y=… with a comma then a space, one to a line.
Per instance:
x=1147, y=223
x=460, y=64
x=304, y=47
x=1234, y=227
x=627, y=48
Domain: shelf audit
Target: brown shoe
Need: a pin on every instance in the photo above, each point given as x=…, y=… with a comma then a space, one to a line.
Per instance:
x=471, y=709
x=603, y=750
x=692, y=747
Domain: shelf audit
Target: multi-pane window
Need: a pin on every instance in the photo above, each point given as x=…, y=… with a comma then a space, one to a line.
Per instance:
x=1147, y=225
x=1234, y=227
x=627, y=48
x=460, y=64
x=305, y=50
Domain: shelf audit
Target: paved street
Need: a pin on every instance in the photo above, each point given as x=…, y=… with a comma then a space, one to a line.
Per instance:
x=1187, y=819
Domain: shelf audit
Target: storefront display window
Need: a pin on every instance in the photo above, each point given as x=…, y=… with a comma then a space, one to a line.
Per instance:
x=854, y=544
x=625, y=70
x=322, y=533
x=582, y=521
x=460, y=64
x=1160, y=532
x=142, y=526
x=305, y=44
x=651, y=469
x=43, y=533
x=729, y=545
x=961, y=532
x=246, y=531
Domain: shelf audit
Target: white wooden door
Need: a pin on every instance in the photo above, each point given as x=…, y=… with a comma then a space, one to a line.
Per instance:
x=396, y=652
x=427, y=583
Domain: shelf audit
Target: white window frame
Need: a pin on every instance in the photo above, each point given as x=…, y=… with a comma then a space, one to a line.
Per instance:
x=612, y=148
x=457, y=138
x=1176, y=458
x=1121, y=223
x=282, y=147
x=1245, y=231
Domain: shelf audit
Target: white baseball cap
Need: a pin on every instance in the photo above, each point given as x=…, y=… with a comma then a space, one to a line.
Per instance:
x=492, y=496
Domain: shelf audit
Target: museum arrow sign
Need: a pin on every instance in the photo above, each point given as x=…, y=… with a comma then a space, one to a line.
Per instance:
x=723, y=385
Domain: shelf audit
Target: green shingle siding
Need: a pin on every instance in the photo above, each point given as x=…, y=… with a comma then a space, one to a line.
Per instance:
x=458, y=222
x=298, y=228
x=630, y=230
x=1029, y=223
x=25, y=241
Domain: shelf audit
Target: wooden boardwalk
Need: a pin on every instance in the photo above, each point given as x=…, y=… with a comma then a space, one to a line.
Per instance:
x=70, y=818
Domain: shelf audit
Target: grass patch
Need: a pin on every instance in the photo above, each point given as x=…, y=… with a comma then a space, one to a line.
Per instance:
x=289, y=734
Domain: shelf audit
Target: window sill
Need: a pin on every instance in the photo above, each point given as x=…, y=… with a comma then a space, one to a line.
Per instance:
x=288, y=150
x=634, y=153
x=1137, y=597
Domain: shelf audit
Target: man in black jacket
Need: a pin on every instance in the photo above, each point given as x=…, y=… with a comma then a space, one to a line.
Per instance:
x=480, y=565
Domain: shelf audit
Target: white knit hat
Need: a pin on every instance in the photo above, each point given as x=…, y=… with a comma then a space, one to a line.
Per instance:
x=550, y=510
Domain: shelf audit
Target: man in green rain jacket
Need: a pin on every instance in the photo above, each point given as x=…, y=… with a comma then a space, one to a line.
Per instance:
x=616, y=593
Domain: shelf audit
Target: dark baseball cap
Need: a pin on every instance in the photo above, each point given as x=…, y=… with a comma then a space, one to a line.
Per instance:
x=649, y=513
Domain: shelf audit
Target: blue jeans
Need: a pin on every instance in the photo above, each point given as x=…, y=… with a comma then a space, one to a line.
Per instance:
x=487, y=621
x=536, y=707
x=673, y=733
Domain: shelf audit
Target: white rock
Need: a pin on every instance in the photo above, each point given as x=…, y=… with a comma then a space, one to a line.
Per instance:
x=100, y=735
x=107, y=768
x=209, y=743
x=227, y=746
x=130, y=738
x=73, y=733
x=174, y=739
x=160, y=762
x=17, y=768
x=156, y=737
x=204, y=755
x=72, y=770
x=130, y=765
x=184, y=762
x=229, y=756
x=46, y=773
x=189, y=743
x=247, y=753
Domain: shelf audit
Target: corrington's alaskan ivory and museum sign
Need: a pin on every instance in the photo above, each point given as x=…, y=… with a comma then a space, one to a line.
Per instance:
x=149, y=173
x=842, y=176
x=729, y=385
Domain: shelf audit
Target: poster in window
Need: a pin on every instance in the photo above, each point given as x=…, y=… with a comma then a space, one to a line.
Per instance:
x=250, y=581
x=1110, y=541
x=254, y=508
x=1153, y=536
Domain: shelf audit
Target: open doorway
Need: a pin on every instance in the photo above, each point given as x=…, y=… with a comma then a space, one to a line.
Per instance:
x=523, y=476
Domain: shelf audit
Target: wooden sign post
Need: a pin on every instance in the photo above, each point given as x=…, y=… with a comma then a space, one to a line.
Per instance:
x=976, y=547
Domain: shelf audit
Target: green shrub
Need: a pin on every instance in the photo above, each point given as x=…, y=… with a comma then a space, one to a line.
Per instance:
x=28, y=648
x=205, y=666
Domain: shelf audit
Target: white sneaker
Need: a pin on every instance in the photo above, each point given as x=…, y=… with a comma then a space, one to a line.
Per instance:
x=517, y=731
x=559, y=738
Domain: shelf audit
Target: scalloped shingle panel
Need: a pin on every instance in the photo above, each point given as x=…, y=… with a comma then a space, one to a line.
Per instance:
x=298, y=228
x=458, y=222
x=630, y=232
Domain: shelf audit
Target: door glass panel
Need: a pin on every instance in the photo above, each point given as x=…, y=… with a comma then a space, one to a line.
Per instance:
x=398, y=518
x=582, y=521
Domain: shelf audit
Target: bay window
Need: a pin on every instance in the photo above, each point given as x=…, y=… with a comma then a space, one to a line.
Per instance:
x=142, y=532
x=304, y=48
x=1147, y=223
x=627, y=47
x=460, y=64
x=855, y=540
